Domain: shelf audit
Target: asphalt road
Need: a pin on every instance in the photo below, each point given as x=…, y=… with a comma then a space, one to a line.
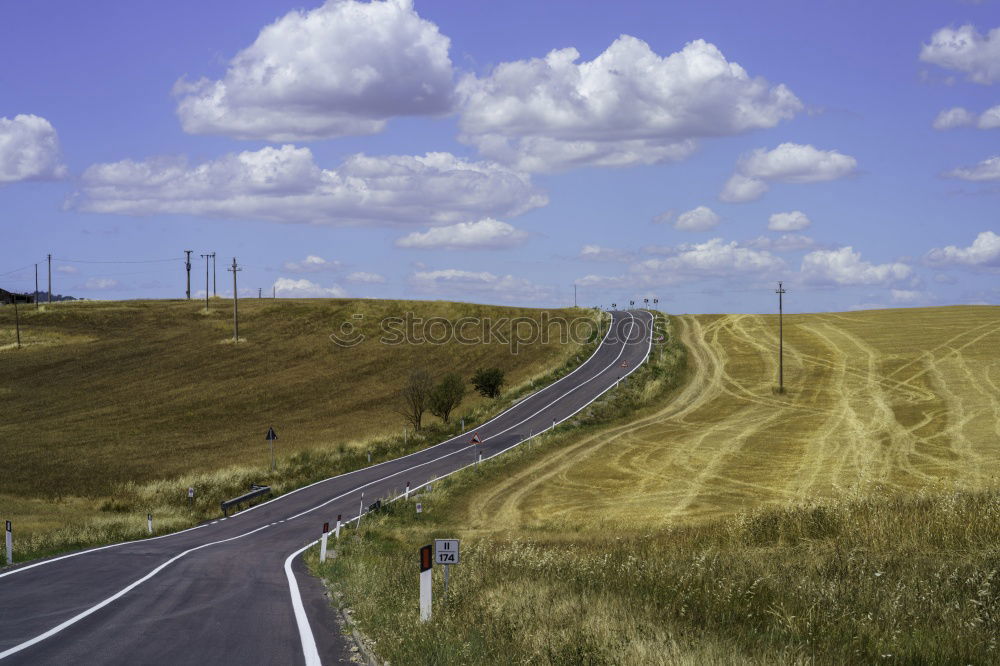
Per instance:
x=234, y=590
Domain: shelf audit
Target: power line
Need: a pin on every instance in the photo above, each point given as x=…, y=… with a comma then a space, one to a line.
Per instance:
x=135, y=261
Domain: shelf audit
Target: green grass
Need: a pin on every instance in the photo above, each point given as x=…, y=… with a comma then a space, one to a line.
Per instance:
x=114, y=409
x=653, y=531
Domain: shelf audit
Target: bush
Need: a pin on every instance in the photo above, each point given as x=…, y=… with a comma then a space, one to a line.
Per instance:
x=488, y=381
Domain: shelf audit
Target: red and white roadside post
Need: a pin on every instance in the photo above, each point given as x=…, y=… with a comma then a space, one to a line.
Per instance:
x=426, y=579
x=322, y=542
x=476, y=443
x=336, y=532
x=406, y=493
x=9, y=532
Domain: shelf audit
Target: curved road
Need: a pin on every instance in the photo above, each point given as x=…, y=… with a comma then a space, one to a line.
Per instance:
x=234, y=590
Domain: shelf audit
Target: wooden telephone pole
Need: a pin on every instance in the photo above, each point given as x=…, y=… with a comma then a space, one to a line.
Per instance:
x=236, y=313
x=780, y=291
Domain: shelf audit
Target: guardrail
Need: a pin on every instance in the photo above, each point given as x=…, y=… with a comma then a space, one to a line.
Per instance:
x=255, y=491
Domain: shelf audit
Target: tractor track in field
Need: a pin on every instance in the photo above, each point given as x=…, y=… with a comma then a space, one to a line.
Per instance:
x=863, y=410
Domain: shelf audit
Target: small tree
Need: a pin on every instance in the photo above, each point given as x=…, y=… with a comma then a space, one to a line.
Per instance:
x=446, y=396
x=488, y=381
x=415, y=396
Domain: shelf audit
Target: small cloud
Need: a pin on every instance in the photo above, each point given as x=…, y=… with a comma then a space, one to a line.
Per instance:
x=951, y=118
x=100, y=283
x=701, y=218
x=67, y=270
x=983, y=253
x=987, y=170
x=788, y=163
x=486, y=234
x=362, y=277
x=845, y=267
x=796, y=220
x=908, y=296
x=598, y=253
x=288, y=288
x=966, y=50
x=29, y=150
x=311, y=264
x=664, y=217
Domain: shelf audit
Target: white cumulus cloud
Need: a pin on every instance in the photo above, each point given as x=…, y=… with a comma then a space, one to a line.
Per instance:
x=788, y=163
x=362, y=277
x=468, y=285
x=67, y=270
x=988, y=169
x=598, y=253
x=311, y=264
x=701, y=218
x=966, y=50
x=29, y=150
x=289, y=288
x=484, y=234
x=340, y=69
x=713, y=258
x=955, y=117
x=845, y=267
x=286, y=185
x=984, y=252
x=795, y=220
x=627, y=106
x=959, y=117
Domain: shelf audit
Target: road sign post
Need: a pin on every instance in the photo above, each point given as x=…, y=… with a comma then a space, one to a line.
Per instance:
x=271, y=436
x=10, y=543
x=446, y=552
x=426, y=574
x=322, y=544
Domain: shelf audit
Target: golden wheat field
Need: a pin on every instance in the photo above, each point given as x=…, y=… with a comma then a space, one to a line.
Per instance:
x=893, y=399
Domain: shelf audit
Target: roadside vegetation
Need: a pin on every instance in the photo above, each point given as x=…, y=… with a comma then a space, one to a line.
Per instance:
x=855, y=519
x=116, y=409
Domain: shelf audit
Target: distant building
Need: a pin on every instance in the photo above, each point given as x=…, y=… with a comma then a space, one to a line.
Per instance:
x=8, y=297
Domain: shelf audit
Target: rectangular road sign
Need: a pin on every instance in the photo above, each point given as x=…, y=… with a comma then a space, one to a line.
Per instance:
x=446, y=551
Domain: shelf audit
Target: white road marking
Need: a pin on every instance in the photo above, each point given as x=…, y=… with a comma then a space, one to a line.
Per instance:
x=93, y=609
x=301, y=619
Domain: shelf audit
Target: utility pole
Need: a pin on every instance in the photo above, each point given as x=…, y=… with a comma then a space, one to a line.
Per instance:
x=274, y=292
x=574, y=295
x=205, y=257
x=780, y=291
x=236, y=313
x=36, y=285
x=17, y=321
x=260, y=290
x=187, y=265
x=214, y=292
x=50, y=280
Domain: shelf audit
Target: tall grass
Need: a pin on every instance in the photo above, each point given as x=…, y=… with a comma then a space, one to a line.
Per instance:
x=884, y=579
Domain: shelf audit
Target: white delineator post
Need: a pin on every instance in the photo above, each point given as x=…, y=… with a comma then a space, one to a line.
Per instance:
x=322, y=543
x=10, y=543
x=336, y=532
x=361, y=510
x=406, y=493
x=426, y=574
x=149, y=522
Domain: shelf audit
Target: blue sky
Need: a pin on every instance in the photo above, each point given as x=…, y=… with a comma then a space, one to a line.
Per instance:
x=502, y=152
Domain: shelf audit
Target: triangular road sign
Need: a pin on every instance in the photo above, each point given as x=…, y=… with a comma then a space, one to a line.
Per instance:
x=475, y=439
x=271, y=435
